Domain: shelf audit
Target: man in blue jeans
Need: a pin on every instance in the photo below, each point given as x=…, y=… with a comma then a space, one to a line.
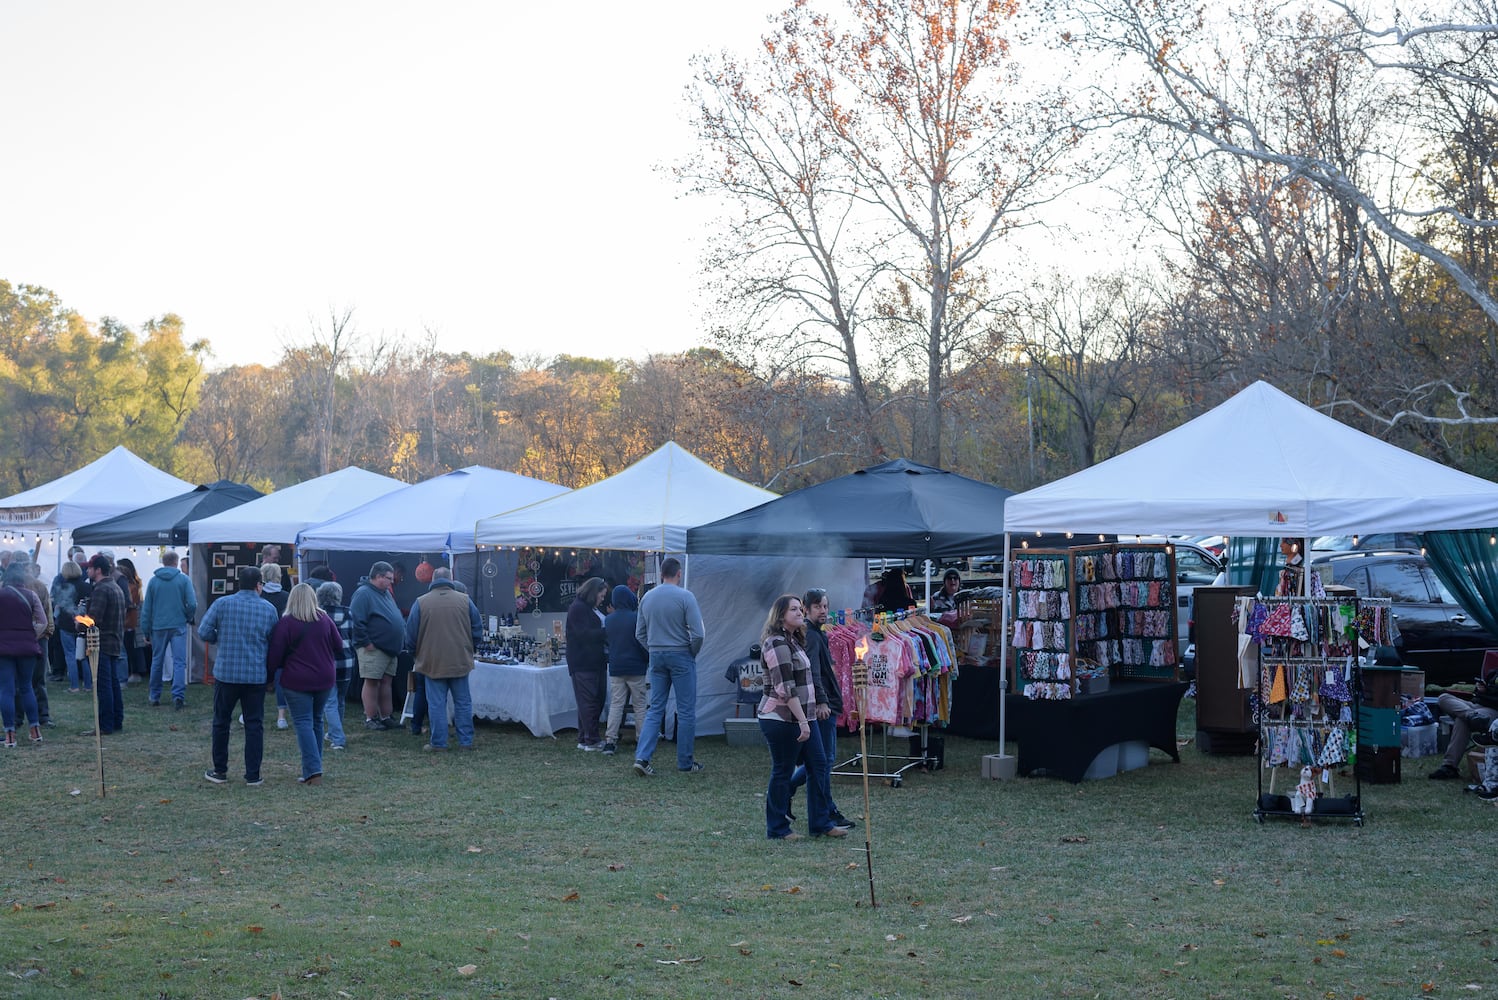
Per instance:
x=169, y=607
x=670, y=627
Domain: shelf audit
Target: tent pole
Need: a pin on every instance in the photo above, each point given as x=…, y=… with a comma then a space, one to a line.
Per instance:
x=1006, y=764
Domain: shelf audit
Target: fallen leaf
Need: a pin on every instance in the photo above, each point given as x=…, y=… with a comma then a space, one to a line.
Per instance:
x=795, y=982
x=745, y=952
x=616, y=867
x=1338, y=953
x=794, y=889
x=961, y=920
x=254, y=928
x=571, y=897
x=467, y=970
x=1074, y=838
x=475, y=850
x=678, y=961
x=891, y=937
x=394, y=943
x=662, y=896
x=44, y=906
x=75, y=792
x=163, y=801
x=1218, y=881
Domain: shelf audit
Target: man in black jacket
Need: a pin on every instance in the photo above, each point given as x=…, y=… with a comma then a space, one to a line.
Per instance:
x=831, y=699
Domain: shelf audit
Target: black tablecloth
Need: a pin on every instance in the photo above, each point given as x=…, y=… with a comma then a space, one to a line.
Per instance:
x=1063, y=737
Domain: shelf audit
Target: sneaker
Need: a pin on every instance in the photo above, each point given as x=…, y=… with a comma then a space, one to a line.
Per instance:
x=254, y=782
x=1485, y=739
x=433, y=748
x=217, y=777
x=282, y=724
x=1444, y=773
x=1488, y=793
x=692, y=768
x=316, y=779
x=466, y=747
x=154, y=704
x=373, y=725
x=590, y=747
x=841, y=820
x=178, y=704
x=834, y=831
x=788, y=838
x=609, y=748
x=36, y=734
x=388, y=723
x=48, y=724
x=336, y=746
x=643, y=768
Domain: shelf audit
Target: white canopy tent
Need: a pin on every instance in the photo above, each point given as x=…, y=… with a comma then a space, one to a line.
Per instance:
x=279, y=516
x=1263, y=465
x=1260, y=464
x=649, y=507
x=112, y=484
x=432, y=516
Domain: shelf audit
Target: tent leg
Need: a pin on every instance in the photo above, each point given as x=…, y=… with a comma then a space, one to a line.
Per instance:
x=1003, y=766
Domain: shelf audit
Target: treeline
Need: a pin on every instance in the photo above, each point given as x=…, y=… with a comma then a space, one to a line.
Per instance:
x=71, y=389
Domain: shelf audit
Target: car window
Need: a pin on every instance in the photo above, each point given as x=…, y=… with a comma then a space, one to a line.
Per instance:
x=1399, y=580
x=1193, y=568
x=1443, y=596
x=1357, y=580
x=1332, y=543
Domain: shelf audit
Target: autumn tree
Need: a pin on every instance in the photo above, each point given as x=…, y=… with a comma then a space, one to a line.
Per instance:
x=871, y=166
x=71, y=390
x=1259, y=91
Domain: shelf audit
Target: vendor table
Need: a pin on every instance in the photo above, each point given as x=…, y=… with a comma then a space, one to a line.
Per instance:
x=539, y=697
x=1063, y=737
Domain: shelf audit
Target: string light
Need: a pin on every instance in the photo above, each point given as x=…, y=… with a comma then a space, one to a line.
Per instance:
x=1354, y=541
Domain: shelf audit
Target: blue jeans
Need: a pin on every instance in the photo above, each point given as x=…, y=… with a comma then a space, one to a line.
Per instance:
x=332, y=714
x=827, y=730
x=305, y=709
x=671, y=668
x=15, y=687
x=785, y=750
x=78, y=672
x=107, y=680
x=164, y=640
x=437, y=690
x=251, y=701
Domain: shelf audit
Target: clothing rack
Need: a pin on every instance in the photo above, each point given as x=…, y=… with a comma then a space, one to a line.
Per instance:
x=891, y=767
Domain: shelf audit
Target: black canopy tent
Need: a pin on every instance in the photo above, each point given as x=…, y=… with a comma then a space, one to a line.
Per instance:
x=165, y=523
x=899, y=509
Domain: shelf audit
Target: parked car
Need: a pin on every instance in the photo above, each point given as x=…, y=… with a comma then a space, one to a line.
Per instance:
x=1391, y=541
x=1436, y=633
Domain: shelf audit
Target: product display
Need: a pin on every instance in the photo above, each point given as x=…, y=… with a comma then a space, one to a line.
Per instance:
x=1301, y=660
x=1098, y=611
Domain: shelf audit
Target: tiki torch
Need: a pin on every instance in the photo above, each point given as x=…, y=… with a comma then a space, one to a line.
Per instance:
x=91, y=650
x=861, y=694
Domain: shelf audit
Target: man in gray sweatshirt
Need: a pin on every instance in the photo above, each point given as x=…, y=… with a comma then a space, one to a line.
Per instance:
x=670, y=627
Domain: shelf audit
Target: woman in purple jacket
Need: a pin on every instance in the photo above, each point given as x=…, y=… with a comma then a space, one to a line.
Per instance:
x=22, y=622
x=302, y=658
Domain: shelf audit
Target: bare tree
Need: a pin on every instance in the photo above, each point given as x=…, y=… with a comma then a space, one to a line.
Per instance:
x=877, y=161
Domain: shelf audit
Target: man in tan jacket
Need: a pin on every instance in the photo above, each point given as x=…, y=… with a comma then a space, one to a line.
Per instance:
x=443, y=629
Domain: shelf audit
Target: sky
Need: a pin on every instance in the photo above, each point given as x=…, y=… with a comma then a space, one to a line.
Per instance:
x=490, y=172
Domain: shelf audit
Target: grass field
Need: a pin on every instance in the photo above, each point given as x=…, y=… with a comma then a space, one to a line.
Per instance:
x=529, y=869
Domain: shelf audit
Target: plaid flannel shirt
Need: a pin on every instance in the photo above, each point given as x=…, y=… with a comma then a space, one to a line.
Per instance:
x=241, y=625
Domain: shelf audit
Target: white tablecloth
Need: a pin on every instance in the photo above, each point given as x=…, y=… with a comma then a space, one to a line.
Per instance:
x=539, y=697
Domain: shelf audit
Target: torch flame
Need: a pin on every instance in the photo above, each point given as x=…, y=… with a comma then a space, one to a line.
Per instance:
x=84, y=620
x=861, y=646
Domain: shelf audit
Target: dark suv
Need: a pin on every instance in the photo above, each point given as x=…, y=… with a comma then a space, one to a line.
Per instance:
x=1435, y=633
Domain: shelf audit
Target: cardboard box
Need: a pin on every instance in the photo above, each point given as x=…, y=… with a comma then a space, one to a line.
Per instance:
x=1412, y=683
x=743, y=733
x=1000, y=767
